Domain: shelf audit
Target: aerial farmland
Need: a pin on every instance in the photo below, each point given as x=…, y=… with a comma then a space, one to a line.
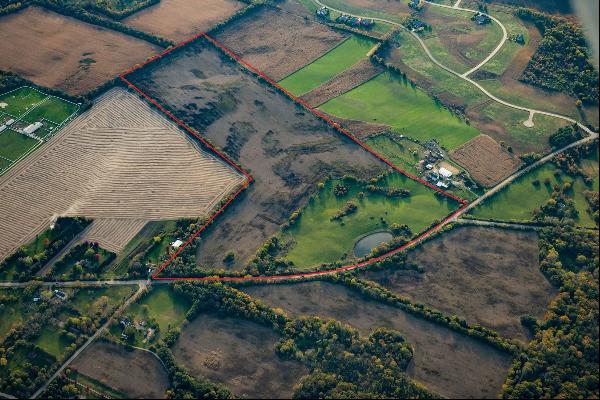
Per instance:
x=298, y=199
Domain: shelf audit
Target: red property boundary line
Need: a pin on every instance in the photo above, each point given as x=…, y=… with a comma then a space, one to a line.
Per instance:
x=249, y=177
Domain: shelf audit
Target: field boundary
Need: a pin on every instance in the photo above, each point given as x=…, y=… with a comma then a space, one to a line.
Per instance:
x=249, y=178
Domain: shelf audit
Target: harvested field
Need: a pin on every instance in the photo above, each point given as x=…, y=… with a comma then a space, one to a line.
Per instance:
x=119, y=160
x=448, y=363
x=276, y=42
x=136, y=373
x=486, y=161
x=239, y=354
x=181, y=19
x=360, y=129
x=113, y=234
x=488, y=276
x=287, y=149
x=355, y=76
x=47, y=48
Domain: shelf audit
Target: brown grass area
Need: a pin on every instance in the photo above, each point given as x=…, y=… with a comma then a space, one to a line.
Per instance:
x=360, y=129
x=486, y=275
x=276, y=42
x=485, y=160
x=119, y=160
x=389, y=6
x=451, y=364
x=134, y=372
x=354, y=76
x=61, y=52
x=238, y=353
x=180, y=19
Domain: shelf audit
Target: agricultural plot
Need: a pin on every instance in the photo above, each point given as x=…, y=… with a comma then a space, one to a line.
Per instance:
x=389, y=99
x=319, y=236
x=239, y=354
x=46, y=48
x=485, y=275
x=113, y=234
x=392, y=10
x=133, y=373
x=446, y=362
x=121, y=159
x=28, y=118
x=530, y=191
x=181, y=19
x=287, y=149
x=487, y=162
x=276, y=42
x=336, y=61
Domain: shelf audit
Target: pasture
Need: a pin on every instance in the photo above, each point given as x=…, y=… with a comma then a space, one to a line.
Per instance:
x=487, y=276
x=388, y=99
x=318, y=239
x=46, y=48
x=239, y=354
x=329, y=65
x=448, y=363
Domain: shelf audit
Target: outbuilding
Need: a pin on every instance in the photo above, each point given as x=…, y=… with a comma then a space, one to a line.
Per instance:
x=445, y=173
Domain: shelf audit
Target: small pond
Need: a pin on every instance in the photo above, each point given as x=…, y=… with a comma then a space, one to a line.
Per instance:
x=367, y=243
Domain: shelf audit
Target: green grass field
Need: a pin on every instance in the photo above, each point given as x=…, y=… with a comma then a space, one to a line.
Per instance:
x=51, y=342
x=318, y=240
x=13, y=145
x=21, y=100
x=52, y=109
x=519, y=199
x=342, y=57
x=85, y=301
x=387, y=99
x=13, y=312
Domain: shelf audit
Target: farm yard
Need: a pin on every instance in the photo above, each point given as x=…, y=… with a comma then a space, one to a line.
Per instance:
x=238, y=353
x=45, y=47
x=276, y=42
x=488, y=276
x=133, y=373
x=143, y=167
x=287, y=155
x=28, y=118
x=178, y=20
x=319, y=236
x=448, y=363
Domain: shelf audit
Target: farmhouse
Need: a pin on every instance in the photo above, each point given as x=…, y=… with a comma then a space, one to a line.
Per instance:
x=442, y=185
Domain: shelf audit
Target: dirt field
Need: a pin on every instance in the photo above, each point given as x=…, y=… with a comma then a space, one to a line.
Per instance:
x=489, y=276
x=451, y=364
x=181, y=19
x=238, y=353
x=119, y=160
x=113, y=234
x=360, y=129
x=355, y=76
x=276, y=42
x=287, y=149
x=46, y=48
x=136, y=373
x=485, y=160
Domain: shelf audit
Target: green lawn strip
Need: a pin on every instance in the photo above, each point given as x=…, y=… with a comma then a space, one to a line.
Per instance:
x=342, y=57
x=519, y=199
x=21, y=100
x=317, y=239
x=387, y=99
x=13, y=145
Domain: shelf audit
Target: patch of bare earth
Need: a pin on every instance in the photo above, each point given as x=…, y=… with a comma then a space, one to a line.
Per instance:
x=64, y=53
x=486, y=275
x=359, y=129
x=277, y=42
x=287, y=149
x=119, y=160
x=486, y=161
x=239, y=354
x=451, y=364
x=181, y=19
x=136, y=373
x=354, y=76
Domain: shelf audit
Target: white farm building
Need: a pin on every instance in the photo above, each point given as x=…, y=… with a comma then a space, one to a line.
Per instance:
x=445, y=173
x=32, y=128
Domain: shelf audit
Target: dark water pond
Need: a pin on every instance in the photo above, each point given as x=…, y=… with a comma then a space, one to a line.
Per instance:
x=364, y=246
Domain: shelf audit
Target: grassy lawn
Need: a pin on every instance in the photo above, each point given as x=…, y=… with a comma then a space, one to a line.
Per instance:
x=21, y=100
x=53, y=109
x=51, y=342
x=164, y=306
x=13, y=145
x=86, y=301
x=387, y=99
x=519, y=199
x=342, y=57
x=317, y=239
